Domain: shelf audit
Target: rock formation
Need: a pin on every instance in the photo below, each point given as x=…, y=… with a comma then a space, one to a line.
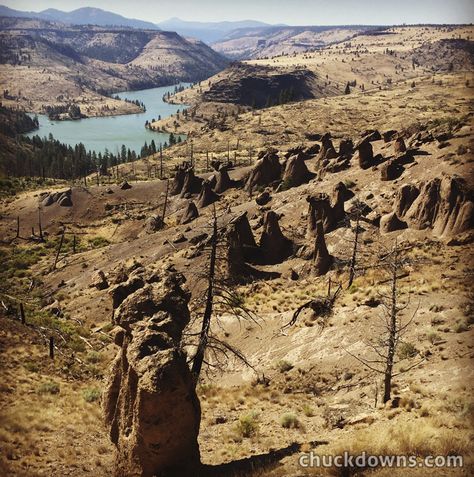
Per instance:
x=296, y=172
x=150, y=404
x=390, y=223
x=207, y=196
x=346, y=147
x=99, y=281
x=399, y=145
x=404, y=198
x=366, y=154
x=322, y=260
x=319, y=210
x=191, y=213
x=274, y=245
x=266, y=171
x=327, y=150
x=263, y=198
x=178, y=180
x=444, y=204
x=223, y=181
x=191, y=183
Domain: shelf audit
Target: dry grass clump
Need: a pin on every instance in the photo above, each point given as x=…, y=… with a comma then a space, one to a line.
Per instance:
x=420, y=438
x=290, y=421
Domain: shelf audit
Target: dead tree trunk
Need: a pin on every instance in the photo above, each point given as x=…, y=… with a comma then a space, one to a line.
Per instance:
x=40, y=225
x=166, y=201
x=354, y=253
x=59, y=248
x=393, y=330
x=51, y=347
x=22, y=314
x=206, y=320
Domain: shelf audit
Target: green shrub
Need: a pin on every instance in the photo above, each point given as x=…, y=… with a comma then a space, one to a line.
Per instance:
x=50, y=387
x=91, y=394
x=248, y=425
x=289, y=421
x=406, y=350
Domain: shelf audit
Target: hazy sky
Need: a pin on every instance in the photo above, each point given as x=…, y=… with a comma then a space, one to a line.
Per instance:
x=293, y=12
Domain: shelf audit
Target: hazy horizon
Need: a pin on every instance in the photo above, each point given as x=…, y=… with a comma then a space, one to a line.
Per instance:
x=295, y=12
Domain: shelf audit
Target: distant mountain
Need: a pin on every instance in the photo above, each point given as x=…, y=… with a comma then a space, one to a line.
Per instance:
x=257, y=42
x=81, y=16
x=208, y=31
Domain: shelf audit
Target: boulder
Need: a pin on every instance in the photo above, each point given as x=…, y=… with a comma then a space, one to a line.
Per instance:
x=65, y=201
x=150, y=404
x=399, y=145
x=154, y=223
x=390, y=223
x=274, y=245
x=191, y=213
x=391, y=170
x=263, y=198
x=322, y=260
x=47, y=201
x=389, y=135
x=125, y=185
x=371, y=135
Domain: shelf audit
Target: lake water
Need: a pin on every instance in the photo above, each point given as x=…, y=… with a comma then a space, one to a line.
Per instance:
x=98, y=134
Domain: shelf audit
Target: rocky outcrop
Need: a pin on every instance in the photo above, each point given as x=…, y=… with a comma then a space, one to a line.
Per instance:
x=64, y=198
x=191, y=213
x=207, y=196
x=443, y=204
x=274, y=245
x=322, y=260
x=266, y=171
x=366, y=154
x=390, y=223
x=150, y=405
x=125, y=186
x=296, y=172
